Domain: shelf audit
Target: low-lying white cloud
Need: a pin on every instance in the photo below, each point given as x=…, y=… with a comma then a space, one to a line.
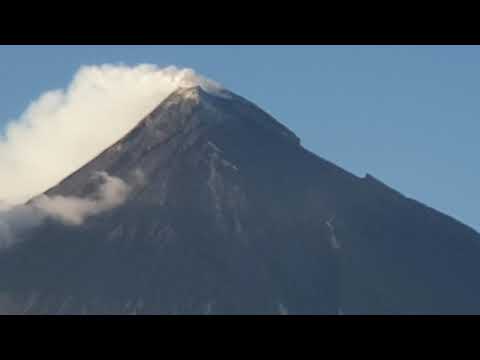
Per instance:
x=64, y=129
x=70, y=210
x=74, y=210
x=14, y=220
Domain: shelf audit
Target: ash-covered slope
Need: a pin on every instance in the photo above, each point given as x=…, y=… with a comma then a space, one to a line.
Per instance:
x=228, y=214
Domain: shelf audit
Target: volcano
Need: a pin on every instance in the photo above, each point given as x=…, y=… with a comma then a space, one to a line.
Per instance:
x=231, y=215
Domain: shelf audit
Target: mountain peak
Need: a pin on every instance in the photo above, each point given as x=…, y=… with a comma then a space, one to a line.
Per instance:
x=194, y=95
x=191, y=92
x=201, y=91
x=196, y=106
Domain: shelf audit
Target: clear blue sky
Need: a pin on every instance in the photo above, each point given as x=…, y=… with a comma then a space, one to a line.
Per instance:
x=409, y=115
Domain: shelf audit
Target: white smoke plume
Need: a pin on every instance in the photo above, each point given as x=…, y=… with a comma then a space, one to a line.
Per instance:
x=70, y=210
x=64, y=129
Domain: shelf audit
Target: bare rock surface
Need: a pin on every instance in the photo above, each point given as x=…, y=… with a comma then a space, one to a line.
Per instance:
x=229, y=214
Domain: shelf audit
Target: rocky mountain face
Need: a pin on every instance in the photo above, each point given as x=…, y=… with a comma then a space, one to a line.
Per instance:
x=229, y=214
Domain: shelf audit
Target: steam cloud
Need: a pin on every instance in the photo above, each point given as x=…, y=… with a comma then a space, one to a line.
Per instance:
x=64, y=129
x=70, y=210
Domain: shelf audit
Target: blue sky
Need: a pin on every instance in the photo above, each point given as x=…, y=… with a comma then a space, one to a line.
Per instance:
x=409, y=115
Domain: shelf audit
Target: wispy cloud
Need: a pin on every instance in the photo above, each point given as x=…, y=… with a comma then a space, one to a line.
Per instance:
x=70, y=210
x=74, y=210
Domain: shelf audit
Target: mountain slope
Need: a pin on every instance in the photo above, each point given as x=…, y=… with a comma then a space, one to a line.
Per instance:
x=229, y=214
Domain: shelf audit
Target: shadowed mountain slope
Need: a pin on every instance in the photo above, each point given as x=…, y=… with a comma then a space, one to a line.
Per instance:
x=229, y=214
